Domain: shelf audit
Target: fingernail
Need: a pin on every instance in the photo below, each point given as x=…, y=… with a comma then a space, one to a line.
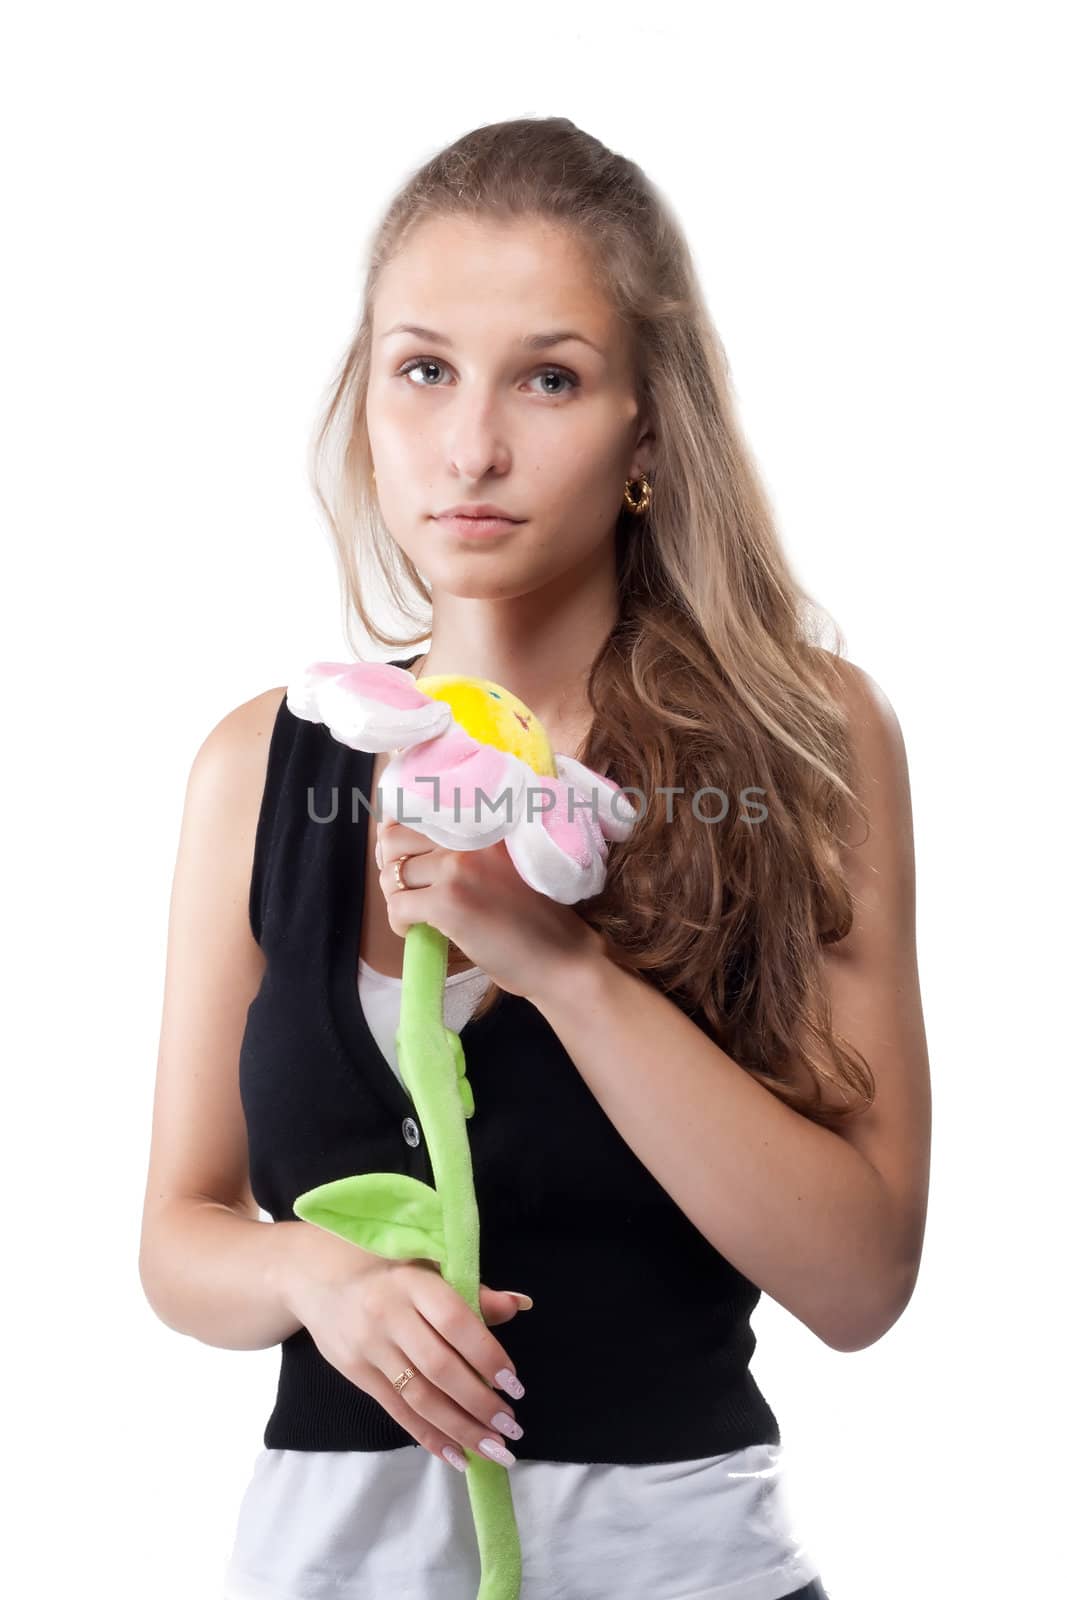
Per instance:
x=496, y=1452
x=503, y=1423
x=506, y=1380
x=454, y=1458
x=524, y=1300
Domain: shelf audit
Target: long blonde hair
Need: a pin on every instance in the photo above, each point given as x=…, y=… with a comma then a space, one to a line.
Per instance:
x=714, y=674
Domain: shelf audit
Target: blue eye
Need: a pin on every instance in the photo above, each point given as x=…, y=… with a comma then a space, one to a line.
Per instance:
x=421, y=363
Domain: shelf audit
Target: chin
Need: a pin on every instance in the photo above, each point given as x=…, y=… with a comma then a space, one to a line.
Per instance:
x=480, y=585
x=466, y=571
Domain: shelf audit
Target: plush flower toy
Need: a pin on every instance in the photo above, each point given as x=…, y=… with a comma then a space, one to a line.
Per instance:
x=471, y=766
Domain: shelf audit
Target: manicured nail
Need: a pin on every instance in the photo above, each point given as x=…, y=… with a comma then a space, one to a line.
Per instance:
x=504, y=1423
x=525, y=1303
x=506, y=1380
x=496, y=1452
x=454, y=1458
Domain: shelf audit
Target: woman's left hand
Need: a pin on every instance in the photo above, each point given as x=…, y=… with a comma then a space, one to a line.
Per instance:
x=525, y=941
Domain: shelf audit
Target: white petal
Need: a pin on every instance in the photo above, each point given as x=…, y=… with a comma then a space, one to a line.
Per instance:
x=370, y=706
x=613, y=809
x=477, y=799
x=561, y=874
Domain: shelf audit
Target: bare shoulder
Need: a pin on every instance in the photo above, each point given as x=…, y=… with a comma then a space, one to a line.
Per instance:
x=879, y=773
x=870, y=711
x=223, y=797
x=232, y=760
x=227, y=778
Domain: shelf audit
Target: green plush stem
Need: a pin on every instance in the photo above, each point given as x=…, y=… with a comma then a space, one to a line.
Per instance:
x=431, y=1063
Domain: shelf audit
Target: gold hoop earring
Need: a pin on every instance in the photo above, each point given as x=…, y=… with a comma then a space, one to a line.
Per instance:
x=638, y=507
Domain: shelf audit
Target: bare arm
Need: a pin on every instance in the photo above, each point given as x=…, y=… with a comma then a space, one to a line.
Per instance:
x=209, y=1266
x=217, y=1274
x=829, y=1223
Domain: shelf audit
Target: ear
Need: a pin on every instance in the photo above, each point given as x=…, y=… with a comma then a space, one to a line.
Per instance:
x=644, y=456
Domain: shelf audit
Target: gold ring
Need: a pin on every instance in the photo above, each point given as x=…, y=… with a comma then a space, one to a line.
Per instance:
x=398, y=874
x=405, y=1377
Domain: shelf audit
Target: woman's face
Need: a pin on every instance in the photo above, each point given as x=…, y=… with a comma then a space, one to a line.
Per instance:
x=469, y=414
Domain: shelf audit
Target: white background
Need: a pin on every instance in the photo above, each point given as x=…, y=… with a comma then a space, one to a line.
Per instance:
x=874, y=196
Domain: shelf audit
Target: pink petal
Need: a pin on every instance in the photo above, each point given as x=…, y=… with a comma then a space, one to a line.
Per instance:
x=560, y=855
x=302, y=694
x=367, y=705
x=613, y=810
x=476, y=800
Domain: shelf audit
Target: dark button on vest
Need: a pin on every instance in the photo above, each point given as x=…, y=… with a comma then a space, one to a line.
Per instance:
x=411, y=1131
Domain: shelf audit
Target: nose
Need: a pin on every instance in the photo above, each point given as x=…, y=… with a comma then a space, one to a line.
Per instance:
x=476, y=445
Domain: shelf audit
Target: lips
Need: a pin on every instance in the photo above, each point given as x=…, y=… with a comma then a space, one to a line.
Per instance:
x=468, y=527
x=483, y=510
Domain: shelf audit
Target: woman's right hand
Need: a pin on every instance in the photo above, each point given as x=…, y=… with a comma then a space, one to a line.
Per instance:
x=371, y=1317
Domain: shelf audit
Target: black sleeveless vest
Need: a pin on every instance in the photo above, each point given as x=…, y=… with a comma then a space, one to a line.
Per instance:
x=638, y=1345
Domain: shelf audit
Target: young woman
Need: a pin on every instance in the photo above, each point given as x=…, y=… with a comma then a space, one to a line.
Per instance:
x=707, y=1083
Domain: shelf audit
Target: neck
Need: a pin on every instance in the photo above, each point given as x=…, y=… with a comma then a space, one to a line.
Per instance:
x=540, y=646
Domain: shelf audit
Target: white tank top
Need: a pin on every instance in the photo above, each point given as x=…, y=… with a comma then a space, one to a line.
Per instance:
x=363, y=1525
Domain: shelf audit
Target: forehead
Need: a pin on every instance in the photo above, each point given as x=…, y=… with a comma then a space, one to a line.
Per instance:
x=467, y=277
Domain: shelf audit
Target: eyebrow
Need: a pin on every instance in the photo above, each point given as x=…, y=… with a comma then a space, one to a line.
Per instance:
x=529, y=341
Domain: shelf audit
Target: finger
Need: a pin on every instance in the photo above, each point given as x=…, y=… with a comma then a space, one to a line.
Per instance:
x=445, y=1370
x=380, y=1387
x=387, y=858
x=497, y=1307
x=465, y=1332
x=414, y=873
x=427, y=1414
x=406, y=907
x=396, y=839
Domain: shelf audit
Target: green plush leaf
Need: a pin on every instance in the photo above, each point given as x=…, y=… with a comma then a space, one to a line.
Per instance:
x=385, y=1212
